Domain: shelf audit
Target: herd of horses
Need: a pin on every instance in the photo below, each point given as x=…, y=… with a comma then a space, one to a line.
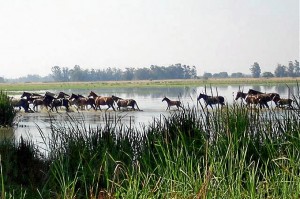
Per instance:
x=52, y=101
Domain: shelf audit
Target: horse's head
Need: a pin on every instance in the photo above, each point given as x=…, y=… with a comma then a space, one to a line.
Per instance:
x=115, y=98
x=73, y=96
x=240, y=94
x=165, y=99
x=62, y=95
x=201, y=96
x=92, y=94
x=26, y=94
x=275, y=97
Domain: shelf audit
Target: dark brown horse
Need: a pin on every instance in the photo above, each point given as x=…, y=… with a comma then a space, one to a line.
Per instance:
x=39, y=102
x=20, y=103
x=172, y=103
x=125, y=102
x=210, y=100
x=60, y=102
x=99, y=101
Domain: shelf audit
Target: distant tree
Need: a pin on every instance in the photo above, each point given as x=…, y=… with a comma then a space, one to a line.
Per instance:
x=267, y=74
x=255, y=70
x=128, y=74
x=237, y=75
x=220, y=75
x=142, y=74
x=2, y=80
x=291, y=69
x=281, y=71
x=207, y=75
x=65, y=74
x=297, y=68
x=56, y=73
x=76, y=74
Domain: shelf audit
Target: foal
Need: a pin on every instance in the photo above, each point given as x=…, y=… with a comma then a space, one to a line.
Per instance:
x=172, y=103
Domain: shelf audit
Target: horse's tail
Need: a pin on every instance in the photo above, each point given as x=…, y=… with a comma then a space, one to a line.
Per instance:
x=136, y=105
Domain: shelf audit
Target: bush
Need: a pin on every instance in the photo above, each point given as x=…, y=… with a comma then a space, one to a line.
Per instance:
x=7, y=112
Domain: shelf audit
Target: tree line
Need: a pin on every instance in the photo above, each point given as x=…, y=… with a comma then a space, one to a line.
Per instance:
x=154, y=72
x=291, y=70
x=177, y=71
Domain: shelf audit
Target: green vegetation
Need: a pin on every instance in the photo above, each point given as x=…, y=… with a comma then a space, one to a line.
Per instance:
x=7, y=112
x=232, y=152
x=15, y=87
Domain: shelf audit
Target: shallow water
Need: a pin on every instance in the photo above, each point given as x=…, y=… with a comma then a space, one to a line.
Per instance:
x=148, y=99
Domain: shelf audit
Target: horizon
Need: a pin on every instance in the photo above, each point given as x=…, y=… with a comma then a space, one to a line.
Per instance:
x=225, y=36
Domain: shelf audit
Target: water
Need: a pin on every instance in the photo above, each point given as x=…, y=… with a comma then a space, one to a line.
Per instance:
x=149, y=101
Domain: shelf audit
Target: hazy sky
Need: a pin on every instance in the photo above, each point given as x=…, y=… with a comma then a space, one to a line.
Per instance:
x=213, y=35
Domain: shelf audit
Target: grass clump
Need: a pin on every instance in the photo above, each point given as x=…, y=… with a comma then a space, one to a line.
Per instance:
x=7, y=112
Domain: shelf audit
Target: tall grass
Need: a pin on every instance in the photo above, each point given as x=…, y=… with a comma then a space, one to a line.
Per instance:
x=229, y=152
x=7, y=112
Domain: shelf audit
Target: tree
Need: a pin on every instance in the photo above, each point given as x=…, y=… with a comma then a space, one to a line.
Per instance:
x=291, y=69
x=128, y=74
x=56, y=73
x=281, y=71
x=207, y=75
x=297, y=69
x=267, y=74
x=237, y=75
x=255, y=70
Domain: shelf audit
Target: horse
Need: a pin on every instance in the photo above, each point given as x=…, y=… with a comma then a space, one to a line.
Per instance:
x=20, y=103
x=210, y=100
x=264, y=98
x=249, y=98
x=81, y=101
x=30, y=96
x=172, y=103
x=281, y=103
x=48, y=98
x=60, y=102
x=125, y=102
x=37, y=102
x=62, y=95
x=99, y=100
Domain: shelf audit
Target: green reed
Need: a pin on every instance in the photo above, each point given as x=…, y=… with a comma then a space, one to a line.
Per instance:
x=228, y=152
x=7, y=112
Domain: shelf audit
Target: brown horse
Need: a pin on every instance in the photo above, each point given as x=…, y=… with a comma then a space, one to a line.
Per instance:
x=99, y=100
x=172, y=103
x=210, y=100
x=249, y=98
x=81, y=101
x=39, y=102
x=125, y=102
x=264, y=98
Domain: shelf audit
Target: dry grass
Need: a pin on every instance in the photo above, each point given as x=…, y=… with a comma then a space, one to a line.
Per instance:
x=31, y=86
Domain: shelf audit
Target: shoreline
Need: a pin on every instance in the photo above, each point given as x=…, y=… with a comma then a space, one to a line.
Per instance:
x=32, y=86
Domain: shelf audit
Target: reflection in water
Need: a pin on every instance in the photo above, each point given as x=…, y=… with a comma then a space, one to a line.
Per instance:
x=149, y=100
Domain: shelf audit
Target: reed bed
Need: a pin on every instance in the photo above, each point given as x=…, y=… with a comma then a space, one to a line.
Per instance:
x=229, y=152
x=7, y=112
